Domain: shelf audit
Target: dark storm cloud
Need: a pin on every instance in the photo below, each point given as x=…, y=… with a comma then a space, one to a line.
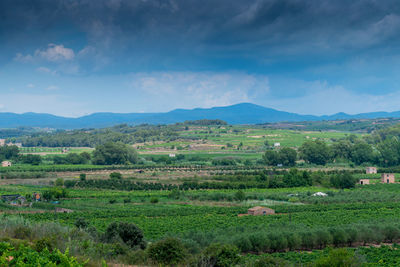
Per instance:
x=246, y=30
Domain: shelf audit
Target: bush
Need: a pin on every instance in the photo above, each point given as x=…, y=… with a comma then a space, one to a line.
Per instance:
x=218, y=255
x=82, y=176
x=240, y=195
x=154, y=200
x=22, y=232
x=116, y=176
x=338, y=258
x=81, y=223
x=128, y=233
x=44, y=243
x=59, y=182
x=169, y=251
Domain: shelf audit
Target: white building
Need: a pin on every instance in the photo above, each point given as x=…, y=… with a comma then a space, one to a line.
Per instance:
x=277, y=144
x=6, y=163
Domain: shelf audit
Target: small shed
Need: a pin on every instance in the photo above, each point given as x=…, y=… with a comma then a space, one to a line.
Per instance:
x=370, y=170
x=387, y=178
x=6, y=163
x=62, y=210
x=260, y=211
x=363, y=181
x=277, y=144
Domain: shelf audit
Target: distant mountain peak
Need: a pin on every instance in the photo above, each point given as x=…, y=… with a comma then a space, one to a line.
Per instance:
x=241, y=113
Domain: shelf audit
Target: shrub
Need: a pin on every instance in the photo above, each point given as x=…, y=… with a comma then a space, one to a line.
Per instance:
x=128, y=233
x=240, y=195
x=154, y=200
x=169, y=251
x=22, y=232
x=219, y=255
x=59, y=182
x=116, y=176
x=338, y=258
x=81, y=223
x=44, y=243
x=82, y=176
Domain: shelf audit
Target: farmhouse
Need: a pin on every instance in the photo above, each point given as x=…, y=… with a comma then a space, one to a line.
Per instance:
x=260, y=211
x=387, y=178
x=6, y=163
x=370, y=170
x=364, y=181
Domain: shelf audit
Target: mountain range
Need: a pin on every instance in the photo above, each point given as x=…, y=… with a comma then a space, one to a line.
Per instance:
x=243, y=113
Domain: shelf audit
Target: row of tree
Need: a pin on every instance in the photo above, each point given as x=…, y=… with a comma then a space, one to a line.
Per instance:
x=386, y=153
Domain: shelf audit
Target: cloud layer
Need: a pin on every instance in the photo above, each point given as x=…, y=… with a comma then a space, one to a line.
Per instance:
x=151, y=55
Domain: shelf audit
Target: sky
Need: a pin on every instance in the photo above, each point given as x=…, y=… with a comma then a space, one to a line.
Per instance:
x=76, y=57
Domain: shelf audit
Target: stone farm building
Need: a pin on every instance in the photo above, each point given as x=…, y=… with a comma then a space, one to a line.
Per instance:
x=364, y=181
x=5, y=163
x=370, y=170
x=260, y=211
x=387, y=178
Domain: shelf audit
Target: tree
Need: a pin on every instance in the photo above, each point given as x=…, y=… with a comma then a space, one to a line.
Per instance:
x=316, y=152
x=345, y=180
x=31, y=159
x=271, y=158
x=114, y=153
x=128, y=233
x=218, y=255
x=287, y=156
x=169, y=251
x=342, y=149
x=361, y=152
x=9, y=152
x=389, y=151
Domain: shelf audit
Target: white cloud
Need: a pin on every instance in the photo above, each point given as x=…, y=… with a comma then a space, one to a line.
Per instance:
x=321, y=98
x=30, y=85
x=46, y=70
x=53, y=53
x=52, y=88
x=199, y=89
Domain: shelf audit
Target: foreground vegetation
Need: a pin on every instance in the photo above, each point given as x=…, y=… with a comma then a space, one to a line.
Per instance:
x=178, y=195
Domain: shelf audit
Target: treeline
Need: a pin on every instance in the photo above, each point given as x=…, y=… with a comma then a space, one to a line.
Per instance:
x=93, y=137
x=292, y=178
x=205, y=122
x=381, y=148
x=278, y=239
